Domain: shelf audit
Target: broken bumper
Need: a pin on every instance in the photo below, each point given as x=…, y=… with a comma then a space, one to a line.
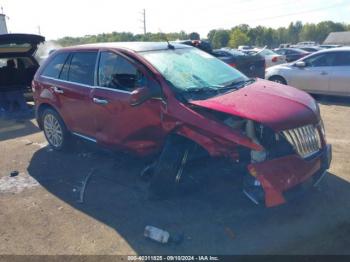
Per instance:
x=287, y=176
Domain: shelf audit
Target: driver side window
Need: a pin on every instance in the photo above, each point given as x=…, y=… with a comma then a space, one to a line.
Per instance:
x=321, y=60
x=116, y=72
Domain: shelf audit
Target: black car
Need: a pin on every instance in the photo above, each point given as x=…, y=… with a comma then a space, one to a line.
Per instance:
x=250, y=65
x=17, y=62
x=291, y=54
x=311, y=49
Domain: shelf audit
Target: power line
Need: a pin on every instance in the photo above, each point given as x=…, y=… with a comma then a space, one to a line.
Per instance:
x=299, y=13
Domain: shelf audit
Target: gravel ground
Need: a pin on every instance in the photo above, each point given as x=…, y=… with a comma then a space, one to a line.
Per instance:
x=40, y=211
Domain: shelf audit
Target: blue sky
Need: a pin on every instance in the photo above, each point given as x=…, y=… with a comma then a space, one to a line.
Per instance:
x=82, y=17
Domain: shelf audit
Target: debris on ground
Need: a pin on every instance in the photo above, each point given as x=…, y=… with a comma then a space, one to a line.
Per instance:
x=14, y=173
x=84, y=185
x=16, y=184
x=156, y=234
x=147, y=172
x=230, y=232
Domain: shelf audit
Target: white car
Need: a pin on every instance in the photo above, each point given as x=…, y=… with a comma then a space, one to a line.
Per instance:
x=271, y=57
x=324, y=72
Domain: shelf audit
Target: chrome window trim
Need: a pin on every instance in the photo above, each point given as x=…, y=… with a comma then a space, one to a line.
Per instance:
x=88, y=86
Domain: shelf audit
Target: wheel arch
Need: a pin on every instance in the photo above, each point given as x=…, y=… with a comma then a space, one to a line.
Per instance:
x=40, y=110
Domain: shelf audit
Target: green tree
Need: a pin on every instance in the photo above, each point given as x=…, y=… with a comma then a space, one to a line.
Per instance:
x=220, y=38
x=237, y=38
x=194, y=36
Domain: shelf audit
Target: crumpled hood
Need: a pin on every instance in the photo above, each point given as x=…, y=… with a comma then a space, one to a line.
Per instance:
x=277, y=106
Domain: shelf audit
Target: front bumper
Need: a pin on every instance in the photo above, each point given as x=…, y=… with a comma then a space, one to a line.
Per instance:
x=280, y=178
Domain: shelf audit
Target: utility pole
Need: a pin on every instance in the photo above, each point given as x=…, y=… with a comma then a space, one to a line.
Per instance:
x=144, y=20
x=39, y=30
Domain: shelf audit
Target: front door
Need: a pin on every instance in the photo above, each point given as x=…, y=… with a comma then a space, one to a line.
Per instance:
x=315, y=76
x=339, y=83
x=118, y=124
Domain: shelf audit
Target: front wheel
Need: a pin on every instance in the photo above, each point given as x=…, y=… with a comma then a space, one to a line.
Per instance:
x=55, y=130
x=278, y=79
x=170, y=176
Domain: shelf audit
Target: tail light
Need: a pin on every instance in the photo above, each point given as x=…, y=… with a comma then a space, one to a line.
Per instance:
x=232, y=64
x=274, y=59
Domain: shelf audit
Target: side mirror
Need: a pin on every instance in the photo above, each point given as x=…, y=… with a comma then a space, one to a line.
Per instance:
x=300, y=64
x=139, y=96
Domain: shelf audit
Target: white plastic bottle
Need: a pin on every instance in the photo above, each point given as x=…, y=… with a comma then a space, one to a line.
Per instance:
x=157, y=234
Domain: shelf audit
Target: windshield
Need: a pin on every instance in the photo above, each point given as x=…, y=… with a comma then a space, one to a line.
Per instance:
x=190, y=69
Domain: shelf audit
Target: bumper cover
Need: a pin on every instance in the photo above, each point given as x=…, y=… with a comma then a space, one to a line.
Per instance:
x=281, y=178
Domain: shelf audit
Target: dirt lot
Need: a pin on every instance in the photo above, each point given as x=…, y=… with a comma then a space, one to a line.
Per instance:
x=40, y=211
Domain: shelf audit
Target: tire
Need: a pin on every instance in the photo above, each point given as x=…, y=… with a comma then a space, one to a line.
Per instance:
x=278, y=79
x=169, y=177
x=55, y=130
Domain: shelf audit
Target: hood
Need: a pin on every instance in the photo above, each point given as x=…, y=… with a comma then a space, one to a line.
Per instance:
x=277, y=106
x=19, y=44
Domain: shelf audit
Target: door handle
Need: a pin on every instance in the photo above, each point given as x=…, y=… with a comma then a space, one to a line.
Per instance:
x=100, y=101
x=324, y=73
x=57, y=90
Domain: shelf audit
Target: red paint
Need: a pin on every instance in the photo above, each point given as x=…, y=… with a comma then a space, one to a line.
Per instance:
x=277, y=106
x=143, y=129
x=279, y=175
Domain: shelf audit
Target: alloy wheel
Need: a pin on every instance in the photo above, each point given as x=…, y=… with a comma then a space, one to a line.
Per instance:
x=53, y=130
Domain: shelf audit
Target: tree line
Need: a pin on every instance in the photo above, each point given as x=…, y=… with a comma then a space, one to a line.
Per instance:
x=239, y=35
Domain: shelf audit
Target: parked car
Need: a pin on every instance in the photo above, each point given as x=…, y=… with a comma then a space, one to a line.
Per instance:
x=291, y=54
x=250, y=65
x=311, y=43
x=18, y=49
x=175, y=101
x=271, y=57
x=325, y=72
x=310, y=49
x=201, y=44
x=329, y=46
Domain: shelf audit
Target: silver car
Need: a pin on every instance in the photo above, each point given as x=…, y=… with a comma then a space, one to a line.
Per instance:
x=324, y=72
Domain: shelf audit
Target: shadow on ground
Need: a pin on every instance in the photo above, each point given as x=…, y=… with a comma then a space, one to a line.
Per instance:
x=14, y=127
x=332, y=100
x=217, y=219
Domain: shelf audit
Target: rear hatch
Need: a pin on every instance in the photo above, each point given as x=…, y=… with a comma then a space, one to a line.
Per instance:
x=12, y=45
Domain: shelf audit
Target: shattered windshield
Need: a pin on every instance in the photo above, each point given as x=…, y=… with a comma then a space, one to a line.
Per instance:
x=192, y=70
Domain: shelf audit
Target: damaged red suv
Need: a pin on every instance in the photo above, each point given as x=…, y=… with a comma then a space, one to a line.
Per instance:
x=172, y=100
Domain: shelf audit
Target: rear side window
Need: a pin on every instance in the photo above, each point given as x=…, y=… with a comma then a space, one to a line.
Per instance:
x=54, y=67
x=82, y=68
x=342, y=59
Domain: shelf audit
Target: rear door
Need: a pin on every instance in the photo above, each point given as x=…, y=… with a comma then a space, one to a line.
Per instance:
x=315, y=76
x=339, y=83
x=72, y=90
x=132, y=128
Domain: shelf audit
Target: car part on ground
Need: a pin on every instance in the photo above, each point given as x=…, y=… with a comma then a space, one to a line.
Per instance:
x=178, y=102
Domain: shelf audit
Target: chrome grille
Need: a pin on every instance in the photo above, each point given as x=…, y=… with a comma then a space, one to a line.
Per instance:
x=305, y=140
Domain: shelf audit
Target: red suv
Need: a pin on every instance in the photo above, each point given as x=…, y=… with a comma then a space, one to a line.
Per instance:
x=176, y=101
